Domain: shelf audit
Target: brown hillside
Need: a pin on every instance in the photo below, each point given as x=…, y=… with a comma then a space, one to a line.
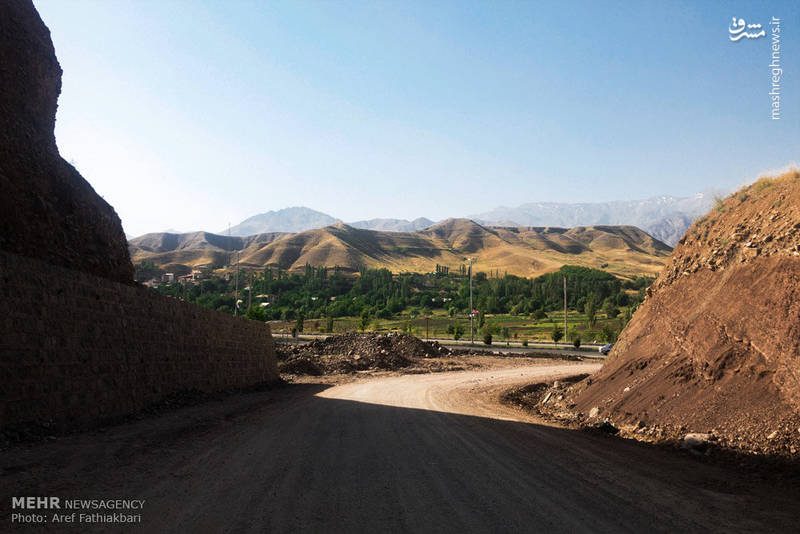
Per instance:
x=522, y=251
x=47, y=210
x=716, y=345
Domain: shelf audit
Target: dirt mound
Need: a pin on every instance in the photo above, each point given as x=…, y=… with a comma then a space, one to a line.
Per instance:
x=47, y=210
x=352, y=352
x=715, y=347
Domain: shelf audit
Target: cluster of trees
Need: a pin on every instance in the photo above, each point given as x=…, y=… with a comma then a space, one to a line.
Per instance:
x=274, y=294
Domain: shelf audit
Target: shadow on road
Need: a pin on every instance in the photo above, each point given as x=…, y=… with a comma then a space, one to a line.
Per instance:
x=287, y=460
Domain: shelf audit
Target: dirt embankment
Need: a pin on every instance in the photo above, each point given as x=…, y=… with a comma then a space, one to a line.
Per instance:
x=715, y=348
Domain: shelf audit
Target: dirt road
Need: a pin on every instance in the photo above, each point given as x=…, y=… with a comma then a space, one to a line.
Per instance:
x=414, y=453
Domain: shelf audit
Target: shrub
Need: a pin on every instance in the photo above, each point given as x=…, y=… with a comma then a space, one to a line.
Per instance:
x=741, y=195
x=762, y=184
x=256, y=313
x=524, y=342
x=458, y=331
x=487, y=338
x=556, y=334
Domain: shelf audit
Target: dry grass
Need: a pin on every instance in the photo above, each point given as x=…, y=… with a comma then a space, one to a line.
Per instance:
x=625, y=251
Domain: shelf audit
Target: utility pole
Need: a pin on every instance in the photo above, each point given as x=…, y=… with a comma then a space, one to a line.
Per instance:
x=236, y=298
x=565, y=308
x=471, y=309
x=230, y=260
x=250, y=293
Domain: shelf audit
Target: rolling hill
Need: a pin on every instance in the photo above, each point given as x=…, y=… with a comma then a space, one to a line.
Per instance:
x=524, y=251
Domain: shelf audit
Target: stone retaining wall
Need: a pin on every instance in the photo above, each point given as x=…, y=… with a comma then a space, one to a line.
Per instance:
x=77, y=349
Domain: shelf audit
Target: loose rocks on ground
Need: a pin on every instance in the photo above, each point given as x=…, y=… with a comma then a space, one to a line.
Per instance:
x=351, y=352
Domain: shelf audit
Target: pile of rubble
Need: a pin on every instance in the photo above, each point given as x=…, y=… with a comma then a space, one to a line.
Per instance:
x=351, y=352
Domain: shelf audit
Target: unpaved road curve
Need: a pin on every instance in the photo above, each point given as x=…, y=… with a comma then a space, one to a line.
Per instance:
x=415, y=453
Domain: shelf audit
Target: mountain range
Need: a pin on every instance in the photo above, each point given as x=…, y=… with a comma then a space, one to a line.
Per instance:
x=524, y=251
x=666, y=218
x=299, y=219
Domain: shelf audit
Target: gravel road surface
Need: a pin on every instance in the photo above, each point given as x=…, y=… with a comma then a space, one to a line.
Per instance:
x=411, y=453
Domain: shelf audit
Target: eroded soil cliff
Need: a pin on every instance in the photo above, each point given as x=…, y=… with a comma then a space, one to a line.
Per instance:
x=716, y=345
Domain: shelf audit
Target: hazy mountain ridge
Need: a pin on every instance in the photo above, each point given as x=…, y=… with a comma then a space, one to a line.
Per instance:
x=526, y=251
x=393, y=225
x=666, y=217
x=299, y=219
x=295, y=219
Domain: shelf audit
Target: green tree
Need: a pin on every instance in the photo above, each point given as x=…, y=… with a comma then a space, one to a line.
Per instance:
x=364, y=319
x=610, y=309
x=329, y=325
x=458, y=331
x=608, y=334
x=556, y=334
x=300, y=321
x=591, y=311
x=256, y=313
x=626, y=317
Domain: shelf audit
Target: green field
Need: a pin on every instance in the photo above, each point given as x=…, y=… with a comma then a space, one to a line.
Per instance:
x=435, y=325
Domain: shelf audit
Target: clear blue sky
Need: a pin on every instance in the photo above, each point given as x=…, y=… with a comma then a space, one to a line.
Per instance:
x=191, y=115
